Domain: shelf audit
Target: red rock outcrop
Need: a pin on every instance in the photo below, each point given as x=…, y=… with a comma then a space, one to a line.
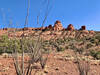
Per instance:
x=49, y=27
x=83, y=27
x=70, y=27
x=41, y=28
x=57, y=26
x=91, y=32
x=5, y=28
x=25, y=28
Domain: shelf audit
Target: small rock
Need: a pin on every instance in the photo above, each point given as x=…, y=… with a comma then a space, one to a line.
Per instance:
x=58, y=26
x=70, y=27
x=5, y=69
x=5, y=55
x=0, y=64
x=40, y=73
x=57, y=68
x=65, y=72
x=94, y=63
x=46, y=70
x=83, y=27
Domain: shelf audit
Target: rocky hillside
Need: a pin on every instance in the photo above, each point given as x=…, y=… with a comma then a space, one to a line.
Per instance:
x=69, y=51
x=49, y=32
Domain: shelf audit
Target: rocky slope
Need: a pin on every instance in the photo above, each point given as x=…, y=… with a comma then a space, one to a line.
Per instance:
x=48, y=32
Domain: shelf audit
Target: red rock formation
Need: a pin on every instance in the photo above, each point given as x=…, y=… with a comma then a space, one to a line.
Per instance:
x=25, y=28
x=83, y=27
x=5, y=29
x=92, y=32
x=46, y=28
x=70, y=27
x=50, y=27
x=57, y=26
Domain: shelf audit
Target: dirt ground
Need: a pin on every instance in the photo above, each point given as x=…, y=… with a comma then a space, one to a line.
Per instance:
x=58, y=63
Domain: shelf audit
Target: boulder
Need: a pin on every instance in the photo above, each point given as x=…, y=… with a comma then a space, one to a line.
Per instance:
x=83, y=28
x=25, y=28
x=70, y=27
x=41, y=28
x=5, y=55
x=91, y=32
x=5, y=29
x=57, y=26
x=48, y=28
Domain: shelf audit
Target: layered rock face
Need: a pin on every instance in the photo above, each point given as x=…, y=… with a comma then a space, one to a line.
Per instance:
x=70, y=27
x=57, y=26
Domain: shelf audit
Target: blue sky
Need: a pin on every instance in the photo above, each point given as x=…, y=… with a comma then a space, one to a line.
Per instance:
x=76, y=12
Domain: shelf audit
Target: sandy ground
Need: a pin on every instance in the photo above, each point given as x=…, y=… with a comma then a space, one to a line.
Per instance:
x=57, y=64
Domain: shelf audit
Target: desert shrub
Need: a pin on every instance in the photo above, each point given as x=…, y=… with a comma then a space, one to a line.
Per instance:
x=46, y=46
x=97, y=37
x=60, y=41
x=93, y=40
x=26, y=43
x=8, y=45
x=89, y=45
x=59, y=48
x=46, y=50
x=95, y=54
x=76, y=49
x=66, y=47
x=1, y=51
x=72, y=46
x=88, y=38
x=57, y=44
x=80, y=50
x=51, y=42
x=71, y=39
x=83, y=67
x=4, y=38
x=46, y=43
x=4, y=44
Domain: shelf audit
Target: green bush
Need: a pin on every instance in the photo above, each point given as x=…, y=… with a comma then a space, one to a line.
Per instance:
x=93, y=40
x=60, y=41
x=4, y=44
x=80, y=50
x=11, y=45
x=60, y=48
x=1, y=51
x=97, y=37
x=89, y=45
x=95, y=54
